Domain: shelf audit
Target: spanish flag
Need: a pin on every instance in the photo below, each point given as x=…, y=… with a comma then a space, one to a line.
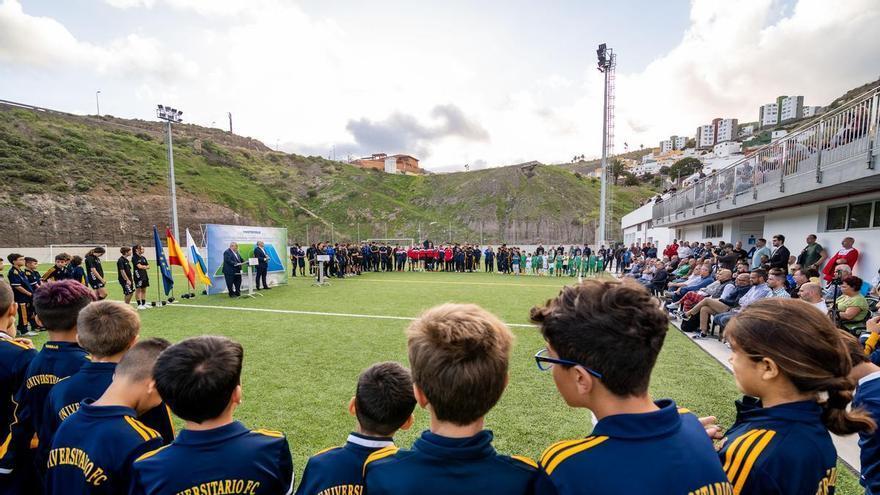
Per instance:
x=176, y=257
x=196, y=260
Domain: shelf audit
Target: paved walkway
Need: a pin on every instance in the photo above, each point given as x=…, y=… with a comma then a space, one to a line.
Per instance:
x=847, y=447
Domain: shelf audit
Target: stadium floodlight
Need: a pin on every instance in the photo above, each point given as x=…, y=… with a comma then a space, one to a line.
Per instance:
x=171, y=116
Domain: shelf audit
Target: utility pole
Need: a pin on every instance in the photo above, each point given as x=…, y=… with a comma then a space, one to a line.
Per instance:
x=230, y=121
x=98, y=102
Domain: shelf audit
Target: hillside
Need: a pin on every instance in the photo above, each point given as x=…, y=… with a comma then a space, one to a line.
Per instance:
x=74, y=179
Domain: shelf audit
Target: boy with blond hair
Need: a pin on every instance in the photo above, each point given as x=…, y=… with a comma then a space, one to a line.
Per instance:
x=459, y=355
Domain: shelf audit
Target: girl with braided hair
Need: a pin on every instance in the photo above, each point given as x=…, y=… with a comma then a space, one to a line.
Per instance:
x=792, y=365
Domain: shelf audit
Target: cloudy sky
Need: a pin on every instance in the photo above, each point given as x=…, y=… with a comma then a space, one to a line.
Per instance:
x=454, y=82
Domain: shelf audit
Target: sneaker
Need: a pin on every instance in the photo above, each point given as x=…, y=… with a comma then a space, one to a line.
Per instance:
x=141, y=306
x=685, y=317
x=672, y=305
x=698, y=336
x=31, y=333
x=147, y=306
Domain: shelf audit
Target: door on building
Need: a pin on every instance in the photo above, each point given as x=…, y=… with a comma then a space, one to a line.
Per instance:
x=750, y=230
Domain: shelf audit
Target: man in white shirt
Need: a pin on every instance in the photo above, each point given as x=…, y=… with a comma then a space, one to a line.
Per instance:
x=811, y=292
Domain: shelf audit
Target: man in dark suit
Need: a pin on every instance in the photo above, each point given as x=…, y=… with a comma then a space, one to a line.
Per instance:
x=780, y=254
x=262, y=264
x=232, y=270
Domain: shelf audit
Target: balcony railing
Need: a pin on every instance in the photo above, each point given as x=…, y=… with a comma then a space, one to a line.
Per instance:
x=846, y=132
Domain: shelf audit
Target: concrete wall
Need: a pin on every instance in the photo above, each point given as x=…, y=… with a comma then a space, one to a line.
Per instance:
x=45, y=255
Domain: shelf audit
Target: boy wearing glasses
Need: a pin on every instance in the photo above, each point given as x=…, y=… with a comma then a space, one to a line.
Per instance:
x=603, y=338
x=200, y=379
x=459, y=355
x=383, y=403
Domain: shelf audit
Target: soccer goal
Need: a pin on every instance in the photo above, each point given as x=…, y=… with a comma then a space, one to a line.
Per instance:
x=71, y=249
x=403, y=241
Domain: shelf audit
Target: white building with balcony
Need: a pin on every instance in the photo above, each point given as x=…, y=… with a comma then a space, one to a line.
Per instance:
x=718, y=131
x=638, y=227
x=768, y=115
x=822, y=179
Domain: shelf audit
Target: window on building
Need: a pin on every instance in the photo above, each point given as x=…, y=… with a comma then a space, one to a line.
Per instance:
x=860, y=215
x=853, y=216
x=836, y=218
x=713, y=230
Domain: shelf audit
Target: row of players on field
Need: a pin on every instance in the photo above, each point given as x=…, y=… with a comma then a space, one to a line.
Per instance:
x=24, y=278
x=95, y=384
x=354, y=259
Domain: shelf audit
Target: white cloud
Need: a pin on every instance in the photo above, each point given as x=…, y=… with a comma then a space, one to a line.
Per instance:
x=44, y=42
x=302, y=80
x=738, y=55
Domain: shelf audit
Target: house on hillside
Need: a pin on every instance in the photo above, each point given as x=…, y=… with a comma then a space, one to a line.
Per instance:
x=391, y=164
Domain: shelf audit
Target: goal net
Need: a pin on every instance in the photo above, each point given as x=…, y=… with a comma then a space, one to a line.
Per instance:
x=408, y=241
x=71, y=249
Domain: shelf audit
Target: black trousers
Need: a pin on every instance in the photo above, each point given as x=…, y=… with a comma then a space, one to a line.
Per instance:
x=233, y=284
x=262, y=271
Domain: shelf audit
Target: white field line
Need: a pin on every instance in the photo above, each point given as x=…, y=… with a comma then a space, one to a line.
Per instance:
x=501, y=284
x=314, y=313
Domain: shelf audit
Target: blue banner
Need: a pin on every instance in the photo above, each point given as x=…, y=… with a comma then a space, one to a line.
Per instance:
x=162, y=263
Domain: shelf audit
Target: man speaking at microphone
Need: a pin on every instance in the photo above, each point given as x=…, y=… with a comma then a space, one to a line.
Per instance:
x=232, y=270
x=262, y=264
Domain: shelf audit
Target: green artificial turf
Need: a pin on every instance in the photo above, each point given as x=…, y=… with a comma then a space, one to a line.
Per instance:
x=300, y=370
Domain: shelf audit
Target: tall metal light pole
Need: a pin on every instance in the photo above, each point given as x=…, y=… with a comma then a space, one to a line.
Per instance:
x=171, y=116
x=607, y=63
x=97, y=102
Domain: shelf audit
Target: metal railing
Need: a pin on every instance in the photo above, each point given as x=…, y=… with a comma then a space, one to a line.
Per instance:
x=846, y=132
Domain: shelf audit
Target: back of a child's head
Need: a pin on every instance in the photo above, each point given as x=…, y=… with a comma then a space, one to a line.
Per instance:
x=76, y=261
x=612, y=327
x=106, y=328
x=384, y=399
x=197, y=377
x=138, y=363
x=57, y=304
x=807, y=349
x=13, y=256
x=459, y=354
x=6, y=297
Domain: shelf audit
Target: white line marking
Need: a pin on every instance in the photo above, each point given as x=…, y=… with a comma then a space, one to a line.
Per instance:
x=457, y=283
x=314, y=313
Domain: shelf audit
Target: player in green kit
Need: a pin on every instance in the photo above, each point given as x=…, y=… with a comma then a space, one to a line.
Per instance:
x=560, y=264
x=522, y=261
x=574, y=266
x=551, y=262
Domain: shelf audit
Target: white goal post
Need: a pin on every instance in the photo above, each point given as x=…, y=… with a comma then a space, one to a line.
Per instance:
x=71, y=249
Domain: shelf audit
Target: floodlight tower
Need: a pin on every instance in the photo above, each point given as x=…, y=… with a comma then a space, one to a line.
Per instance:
x=607, y=64
x=171, y=116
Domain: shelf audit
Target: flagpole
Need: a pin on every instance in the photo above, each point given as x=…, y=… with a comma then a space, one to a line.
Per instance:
x=158, y=278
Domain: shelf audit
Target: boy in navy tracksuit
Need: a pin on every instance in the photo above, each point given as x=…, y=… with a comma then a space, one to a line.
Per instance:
x=867, y=377
x=106, y=330
x=23, y=291
x=603, y=338
x=33, y=277
x=106, y=432
x=459, y=355
x=15, y=357
x=200, y=379
x=57, y=305
x=383, y=404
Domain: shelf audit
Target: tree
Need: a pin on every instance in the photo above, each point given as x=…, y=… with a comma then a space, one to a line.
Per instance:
x=690, y=143
x=685, y=167
x=616, y=168
x=664, y=170
x=629, y=179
